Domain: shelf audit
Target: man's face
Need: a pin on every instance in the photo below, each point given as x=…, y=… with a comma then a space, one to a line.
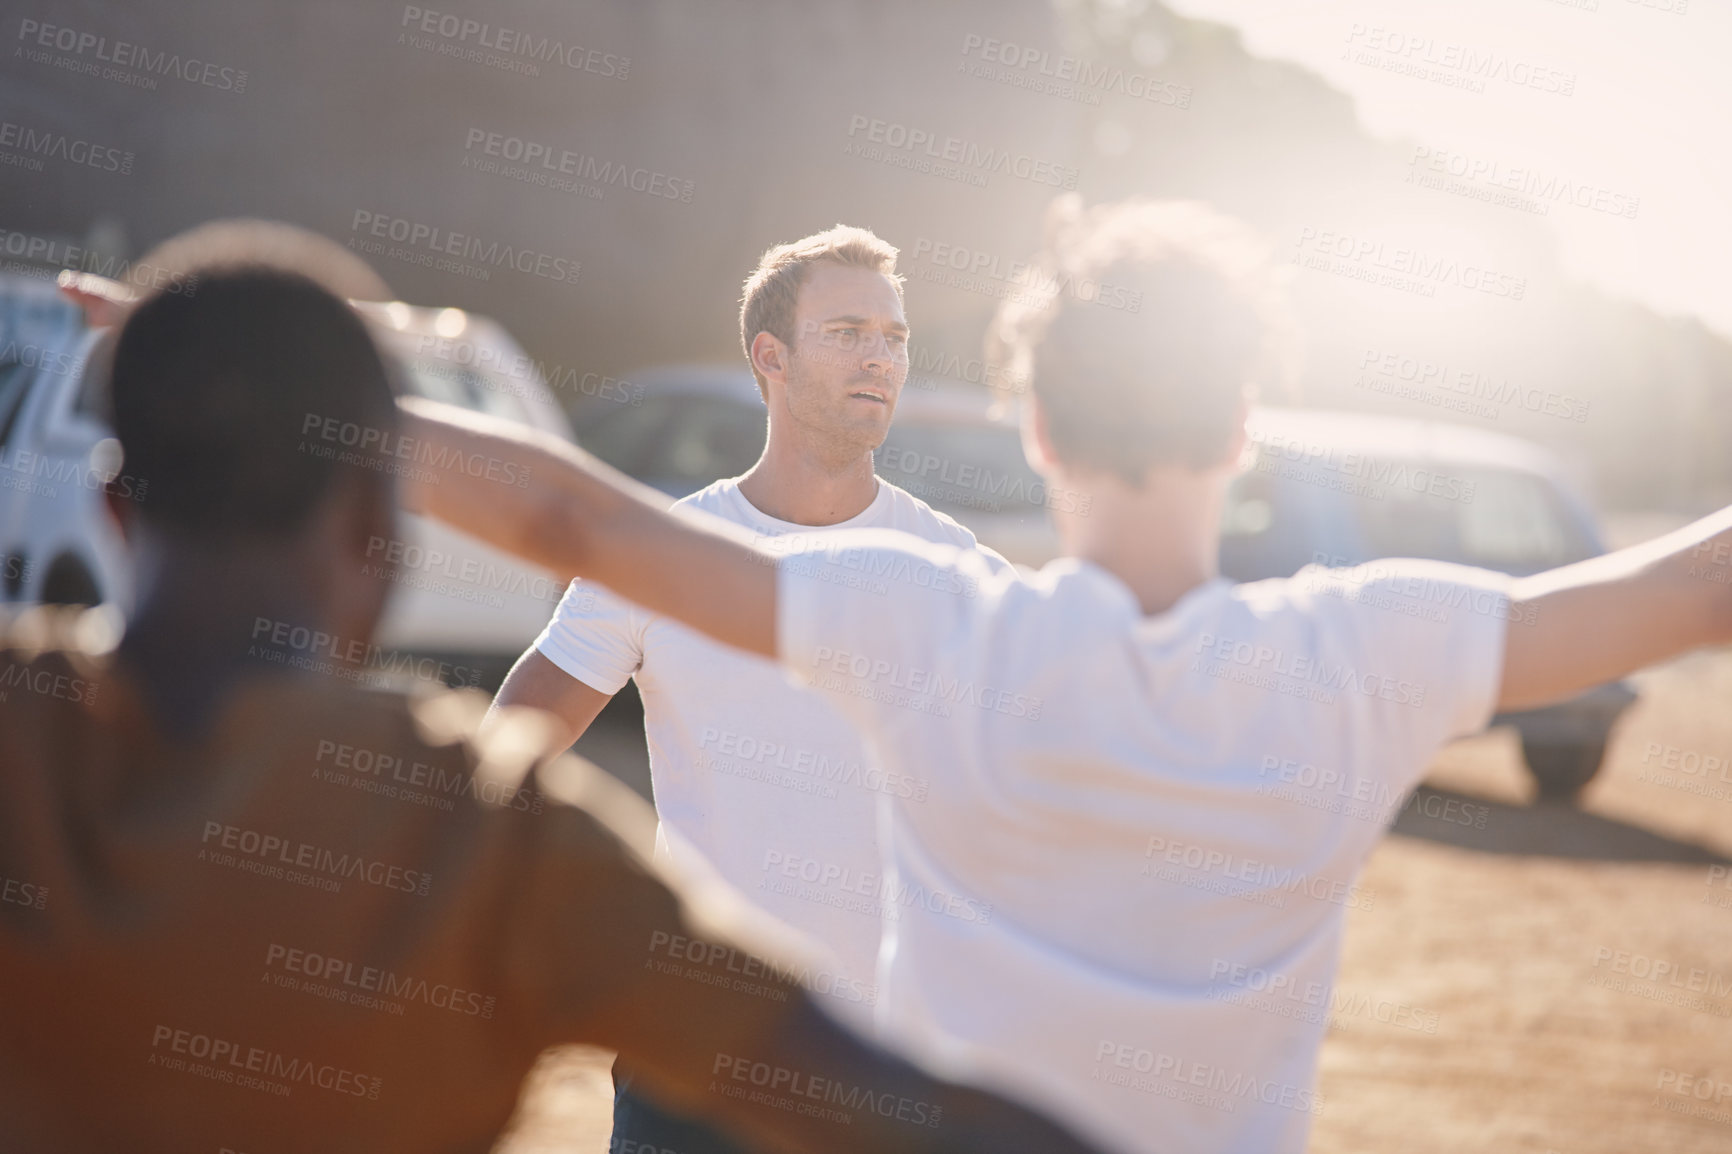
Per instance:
x=850, y=356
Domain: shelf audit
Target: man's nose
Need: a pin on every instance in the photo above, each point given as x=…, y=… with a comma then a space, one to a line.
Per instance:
x=875, y=354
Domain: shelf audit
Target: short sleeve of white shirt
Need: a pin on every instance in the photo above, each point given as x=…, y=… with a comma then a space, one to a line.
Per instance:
x=595, y=637
x=1427, y=634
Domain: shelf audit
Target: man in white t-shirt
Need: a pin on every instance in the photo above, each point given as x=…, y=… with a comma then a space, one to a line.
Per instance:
x=773, y=786
x=1163, y=785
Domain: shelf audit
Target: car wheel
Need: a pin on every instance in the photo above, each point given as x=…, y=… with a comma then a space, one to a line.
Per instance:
x=1563, y=770
x=70, y=583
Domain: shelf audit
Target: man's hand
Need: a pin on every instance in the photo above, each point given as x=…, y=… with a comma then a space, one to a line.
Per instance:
x=1601, y=619
x=578, y=517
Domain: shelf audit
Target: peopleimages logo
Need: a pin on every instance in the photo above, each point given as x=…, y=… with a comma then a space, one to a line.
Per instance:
x=49, y=251
x=484, y=43
x=358, y=983
x=1171, y=1076
x=1021, y=281
x=22, y=893
x=952, y=157
x=546, y=165
x=1301, y=670
x=234, y=1062
x=381, y=449
x=1421, y=378
x=1068, y=77
x=378, y=771
x=923, y=690
x=269, y=855
x=1399, y=267
x=723, y=966
x=871, y=894
x=121, y=58
x=447, y=251
x=1517, y=186
x=801, y=1093
x=302, y=647
x=36, y=145
x=1264, y=882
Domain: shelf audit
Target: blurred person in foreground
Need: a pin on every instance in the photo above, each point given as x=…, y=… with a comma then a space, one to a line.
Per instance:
x=762, y=780
x=225, y=927
x=1166, y=926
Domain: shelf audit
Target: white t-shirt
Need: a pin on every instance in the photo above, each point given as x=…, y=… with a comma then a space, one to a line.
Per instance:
x=1123, y=896
x=768, y=782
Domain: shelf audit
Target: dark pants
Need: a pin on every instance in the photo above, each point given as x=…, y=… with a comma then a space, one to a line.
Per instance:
x=642, y=1127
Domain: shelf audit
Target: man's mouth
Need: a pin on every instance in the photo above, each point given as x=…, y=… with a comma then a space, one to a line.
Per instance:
x=870, y=395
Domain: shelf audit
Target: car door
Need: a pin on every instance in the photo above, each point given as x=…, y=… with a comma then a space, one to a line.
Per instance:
x=63, y=452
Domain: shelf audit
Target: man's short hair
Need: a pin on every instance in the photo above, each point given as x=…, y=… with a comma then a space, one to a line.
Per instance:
x=1148, y=322
x=773, y=289
x=214, y=391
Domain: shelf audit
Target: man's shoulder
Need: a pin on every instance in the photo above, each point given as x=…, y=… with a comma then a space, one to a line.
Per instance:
x=912, y=515
x=718, y=498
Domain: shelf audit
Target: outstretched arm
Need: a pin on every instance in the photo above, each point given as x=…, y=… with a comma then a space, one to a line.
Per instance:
x=1601, y=619
x=578, y=517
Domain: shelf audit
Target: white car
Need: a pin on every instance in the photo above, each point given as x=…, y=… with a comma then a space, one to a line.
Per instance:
x=56, y=541
x=454, y=597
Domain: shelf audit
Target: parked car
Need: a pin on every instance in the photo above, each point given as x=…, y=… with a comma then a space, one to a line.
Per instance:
x=457, y=597
x=1484, y=499
x=454, y=598
x=1341, y=489
x=56, y=543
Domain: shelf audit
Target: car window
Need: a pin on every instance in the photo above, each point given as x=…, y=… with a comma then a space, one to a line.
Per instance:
x=93, y=386
x=965, y=470
x=461, y=385
x=1514, y=522
x=1494, y=518
x=703, y=440
x=14, y=379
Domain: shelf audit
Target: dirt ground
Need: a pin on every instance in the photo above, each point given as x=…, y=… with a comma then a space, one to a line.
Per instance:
x=1558, y=980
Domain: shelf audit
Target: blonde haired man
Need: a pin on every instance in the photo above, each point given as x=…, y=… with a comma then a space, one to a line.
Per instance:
x=772, y=786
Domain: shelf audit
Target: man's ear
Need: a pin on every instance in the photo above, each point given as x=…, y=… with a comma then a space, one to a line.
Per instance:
x=1233, y=460
x=770, y=357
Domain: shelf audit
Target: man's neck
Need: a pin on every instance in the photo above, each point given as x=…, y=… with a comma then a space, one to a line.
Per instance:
x=1162, y=540
x=799, y=484
x=191, y=635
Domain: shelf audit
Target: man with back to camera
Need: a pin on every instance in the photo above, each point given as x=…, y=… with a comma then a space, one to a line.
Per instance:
x=1135, y=860
x=771, y=785
x=213, y=937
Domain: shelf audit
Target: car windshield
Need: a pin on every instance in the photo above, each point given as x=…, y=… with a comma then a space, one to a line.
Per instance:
x=461, y=385
x=964, y=470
